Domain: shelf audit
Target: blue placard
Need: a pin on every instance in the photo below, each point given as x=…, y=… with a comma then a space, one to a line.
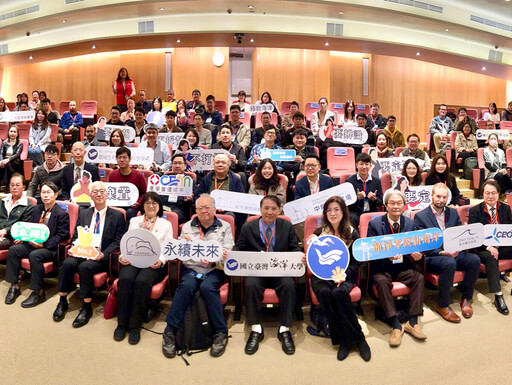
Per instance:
x=338, y=106
x=314, y=105
x=360, y=107
x=278, y=155
x=386, y=246
x=102, y=173
x=339, y=151
x=328, y=258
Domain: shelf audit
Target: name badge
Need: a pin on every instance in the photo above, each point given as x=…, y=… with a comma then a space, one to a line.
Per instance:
x=208, y=120
x=173, y=198
x=399, y=260
x=96, y=241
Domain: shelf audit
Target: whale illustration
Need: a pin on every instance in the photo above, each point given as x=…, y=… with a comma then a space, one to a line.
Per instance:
x=329, y=258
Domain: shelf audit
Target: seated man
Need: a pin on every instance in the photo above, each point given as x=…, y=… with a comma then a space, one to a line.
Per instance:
x=444, y=263
x=90, y=137
x=14, y=207
x=298, y=124
x=170, y=123
x=491, y=211
x=52, y=116
x=179, y=204
x=375, y=120
x=440, y=127
x=138, y=122
x=195, y=104
x=258, y=134
x=241, y=133
x=393, y=135
x=212, y=118
x=287, y=120
x=413, y=142
x=205, y=135
x=462, y=119
x=169, y=104
x=129, y=113
x=270, y=138
x=269, y=234
x=162, y=155
x=506, y=115
x=367, y=188
x=126, y=174
x=49, y=171
x=57, y=220
x=107, y=226
x=70, y=124
x=301, y=151
x=115, y=116
x=399, y=268
x=208, y=228
x=143, y=103
x=72, y=173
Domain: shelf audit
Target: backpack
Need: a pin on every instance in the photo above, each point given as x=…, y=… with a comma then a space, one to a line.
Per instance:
x=469, y=164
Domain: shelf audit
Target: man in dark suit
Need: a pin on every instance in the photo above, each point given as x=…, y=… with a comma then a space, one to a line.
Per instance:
x=399, y=268
x=314, y=181
x=491, y=211
x=57, y=220
x=444, y=263
x=368, y=189
x=269, y=234
x=72, y=173
x=301, y=151
x=98, y=219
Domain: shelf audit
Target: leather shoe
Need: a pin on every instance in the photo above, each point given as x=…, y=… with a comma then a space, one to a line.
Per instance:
x=396, y=337
x=169, y=345
x=415, y=331
x=120, y=333
x=12, y=294
x=342, y=352
x=253, y=343
x=364, y=350
x=60, y=312
x=448, y=314
x=134, y=336
x=500, y=304
x=286, y=342
x=33, y=300
x=467, y=309
x=220, y=341
x=82, y=318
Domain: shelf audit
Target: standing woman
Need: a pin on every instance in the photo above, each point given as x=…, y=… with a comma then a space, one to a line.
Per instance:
x=334, y=296
x=496, y=164
x=412, y=171
x=349, y=116
x=135, y=284
x=322, y=118
x=123, y=88
x=39, y=137
x=266, y=181
x=10, y=152
x=3, y=105
x=439, y=173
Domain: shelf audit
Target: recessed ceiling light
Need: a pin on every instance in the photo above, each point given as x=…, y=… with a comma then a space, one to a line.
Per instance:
x=326, y=43
x=341, y=12
x=161, y=8
x=93, y=46
x=483, y=68
x=250, y=6
x=252, y=40
x=178, y=41
x=30, y=57
x=447, y=29
x=63, y=21
x=418, y=53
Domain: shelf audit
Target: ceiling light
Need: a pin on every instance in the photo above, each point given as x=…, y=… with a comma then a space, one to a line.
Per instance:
x=178, y=41
x=63, y=21
x=341, y=12
x=30, y=57
x=93, y=46
x=252, y=40
x=251, y=7
x=483, y=68
x=418, y=53
x=326, y=43
x=447, y=29
x=161, y=8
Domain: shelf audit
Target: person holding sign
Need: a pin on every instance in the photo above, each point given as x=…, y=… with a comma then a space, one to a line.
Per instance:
x=491, y=211
x=170, y=123
x=57, y=219
x=236, y=152
x=259, y=133
x=496, y=164
x=205, y=135
x=241, y=133
x=203, y=276
x=179, y=204
x=115, y=117
x=413, y=142
x=102, y=228
x=399, y=268
x=444, y=263
x=267, y=99
x=334, y=296
x=270, y=138
x=440, y=127
x=135, y=284
x=90, y=137
x=162, y=155
x=266, y=181
x=269, y=233
x=72, y=173
x=322, y=119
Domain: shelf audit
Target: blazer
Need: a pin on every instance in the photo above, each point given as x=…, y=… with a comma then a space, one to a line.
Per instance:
x=68, y=178
x=373, y=185
x=479, y=214
x=380, y=226
x=235, y=184
x=115, y=227
x=426, y=219
x=302, y=186
x=58, y=225
x=21, y=212
x=250, y=239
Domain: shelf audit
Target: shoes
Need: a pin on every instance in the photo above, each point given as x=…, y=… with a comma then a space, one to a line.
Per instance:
x=120, y=333
x=33, y=300
x=82, y=318
x=169, y=345
x=342, y=352
x=448, y=314
x=12, y=294
x=467, y=309
x=134, y=336
x=220, y=341
x=60, y=312
x=396, y=337
x=415, y=331
x=286, y=342
x=364, y=350
x=253, y=343
x=500, y=304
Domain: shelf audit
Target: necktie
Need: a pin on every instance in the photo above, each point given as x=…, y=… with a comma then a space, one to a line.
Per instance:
x=77, y=174
x=493, y=214
x=268, y=234
x=97, y=225
x=395, y=227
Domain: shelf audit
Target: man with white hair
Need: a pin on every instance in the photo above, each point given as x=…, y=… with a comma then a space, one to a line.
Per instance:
x=162, y=155
x=73, y=172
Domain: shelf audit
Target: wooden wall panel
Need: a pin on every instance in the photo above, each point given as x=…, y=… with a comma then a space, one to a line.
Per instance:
x=347, y=78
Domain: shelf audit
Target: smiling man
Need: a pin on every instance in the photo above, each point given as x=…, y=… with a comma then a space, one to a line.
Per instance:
x=73, y=172
x=162, y=155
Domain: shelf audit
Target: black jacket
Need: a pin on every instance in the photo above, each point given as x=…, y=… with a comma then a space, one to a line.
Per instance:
x=68, y=178
x=250, y=239
x=58, y=224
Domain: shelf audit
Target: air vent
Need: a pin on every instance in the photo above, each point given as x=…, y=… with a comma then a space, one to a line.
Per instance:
x=238, y=55
x=490, y=23
x=4, y=49
x=73, y=1
x=418, y=4
x=333, y=29
x=19, y=12
x=146, y=27
x=495, y=56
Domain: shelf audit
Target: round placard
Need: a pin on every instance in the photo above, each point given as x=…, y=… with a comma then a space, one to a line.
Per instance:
x=328, y=258
x=140, y=247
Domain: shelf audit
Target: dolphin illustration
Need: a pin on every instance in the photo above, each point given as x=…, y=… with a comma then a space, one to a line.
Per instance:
x=329, y=258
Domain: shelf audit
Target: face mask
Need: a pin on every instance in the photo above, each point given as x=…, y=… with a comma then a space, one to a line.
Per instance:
x=493, y=142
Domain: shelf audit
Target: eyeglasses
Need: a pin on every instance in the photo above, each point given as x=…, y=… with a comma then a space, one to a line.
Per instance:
x=333, y=211
x=203, y=208
x=311, y=165
x=100, y=191
x=150, y=204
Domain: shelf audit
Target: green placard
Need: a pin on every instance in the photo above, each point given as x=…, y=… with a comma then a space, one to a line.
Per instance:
x=30, y=232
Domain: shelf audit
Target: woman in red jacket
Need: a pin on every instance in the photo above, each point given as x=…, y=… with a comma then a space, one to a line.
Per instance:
x=123, y=88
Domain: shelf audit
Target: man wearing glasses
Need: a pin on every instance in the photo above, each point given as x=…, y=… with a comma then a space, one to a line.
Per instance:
x=49, y=171
x=269, y=143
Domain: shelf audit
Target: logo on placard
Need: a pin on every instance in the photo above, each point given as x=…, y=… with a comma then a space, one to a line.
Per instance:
x=232, y=264
x=93, y=154
x=479, y=135
x=138, y=246
x=265, y=154
x=1, y=116
x=328, y=258
x=497, y=235
x=468, y=232
x=154, y=179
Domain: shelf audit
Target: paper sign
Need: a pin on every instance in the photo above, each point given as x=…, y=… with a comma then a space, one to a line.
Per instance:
x=17, y=116
x=418, y=197
x=105, y=132
x=340, y=151
x=277, y=155
x=201, y=160
x=237, y=202
x=391, y=165
x=360, y=107
x=465, y=237
x=313, y=204
x=498, y=235
x=386, y=246
x=140, y=247
x=484, y=134
x=120, y=194
x=338, y=106
x=258, y=264
x=156, y=117
x=253, y=108
x=107, y=154
x=177, y=185
x=328, y=258
x=350, y=135
x=30, y=232
x=184, y=250
x=172, y=138
x=84, y=245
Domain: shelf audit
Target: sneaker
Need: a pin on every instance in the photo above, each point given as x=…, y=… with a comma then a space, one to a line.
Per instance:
x=169, y=345
x=220, y=341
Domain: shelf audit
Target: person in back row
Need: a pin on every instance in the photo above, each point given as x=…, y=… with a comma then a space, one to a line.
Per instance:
x=49, y=171
x=413, y=142
x=440, y=127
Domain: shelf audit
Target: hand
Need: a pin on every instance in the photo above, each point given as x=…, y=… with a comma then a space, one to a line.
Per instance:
x=187, y=238
x=136, y=205
x=256, y=159
x=361, y=194
x=17, y=242
x=396, y=257
x=224, y=255
x=220, y=211
x=494, y=251
x=3, y=233
x=503, y=171
x=123, y=261
x=66, y=130
x=372, y=195
x=100, y=256
x=158, y=264
x=297, y=158
x=204, y=262
x=416, y=256
x=186, y=199
x=36, y=245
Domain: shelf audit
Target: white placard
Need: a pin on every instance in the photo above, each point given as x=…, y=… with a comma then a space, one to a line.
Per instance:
x=105, y=132
x=313, y=204
x=350, y=134
x=17, y=116
x=391, y=165
x=120, y=194
x=201, y=160
x=463, y=237
x=484, y=134
x=184, y=250
x=176, y=185
x=498, y=235
x=140, y=247
x=237, y=202
x=418, y=197
x=106, y=154
x=172, y=138
x=258, y=264
x=156, y=117
x=254, y=108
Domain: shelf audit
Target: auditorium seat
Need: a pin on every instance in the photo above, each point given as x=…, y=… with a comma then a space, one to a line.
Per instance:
x=472, y=113
x=479, y=171
x=273, y=119
x=481, y=124
x=89, y=109
x=24, y=130
x=309, y=109
x=104, y=173
x=28, y=164
x=506, y=125
x=463, y=212
x=222, y=107
x=4, y=130
x=285, y=108
x=337, y=107
x=245, y=118
x=63, y=107
x=340, y=160
x=385, y=181
x=399, y=150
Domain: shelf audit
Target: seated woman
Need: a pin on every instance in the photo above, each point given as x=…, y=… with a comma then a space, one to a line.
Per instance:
x=3, y=105
x=412, y=171
x=116, y=140
x=440, y=173
x=466, y=145
x=242, y=102
x=135, y=284
x=10, y=152
x=334, y=296
x=349, y=115
x=156, y=115
x=383, y=151
x=267, y=99
x=496, y=164
x=23, y=98
x=39, y=137
x=323, y=118
x=493, y=114
x=193, y=139
x=182, y=115
x=266, y=181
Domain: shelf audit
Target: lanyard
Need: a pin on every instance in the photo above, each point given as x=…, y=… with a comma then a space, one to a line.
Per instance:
x=45, y=214
x=219, y=187
x=146, y=224
x=440, y=180
x=267, y=242
x=97, y=224
x=73, y=117
x=439, y=219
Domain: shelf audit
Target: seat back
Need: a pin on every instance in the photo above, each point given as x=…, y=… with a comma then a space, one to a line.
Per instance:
x=24, y=150
x=399, y=150
x=72, y=210
x=132, y=145
x=364, y=219
x=340, y=160
x=273, y=119
x=506, y=125
x=481, y=124
x=54, y=133
x=222, y=107
x=63, y=107
x=104, y=173
x=463, y=212
x=310, y=109
x=88, y=108
x=365, y=108
x=508, y=156
x=480, y=157
x=146, y=174
x=245, y=118
x=4, y=130
x=285, y=107
x=23, y=130
x=310, y=225
x=472, y=113
x=385, y=181
x=337, y=107
x=173, y=218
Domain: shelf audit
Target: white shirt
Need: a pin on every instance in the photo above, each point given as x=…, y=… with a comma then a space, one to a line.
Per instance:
x=97, y=237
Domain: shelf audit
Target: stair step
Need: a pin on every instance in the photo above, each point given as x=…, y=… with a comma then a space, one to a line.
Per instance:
x=467, y=192
x=463, y=183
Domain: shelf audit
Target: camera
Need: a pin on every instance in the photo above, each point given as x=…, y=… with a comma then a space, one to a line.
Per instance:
x=239, y=37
